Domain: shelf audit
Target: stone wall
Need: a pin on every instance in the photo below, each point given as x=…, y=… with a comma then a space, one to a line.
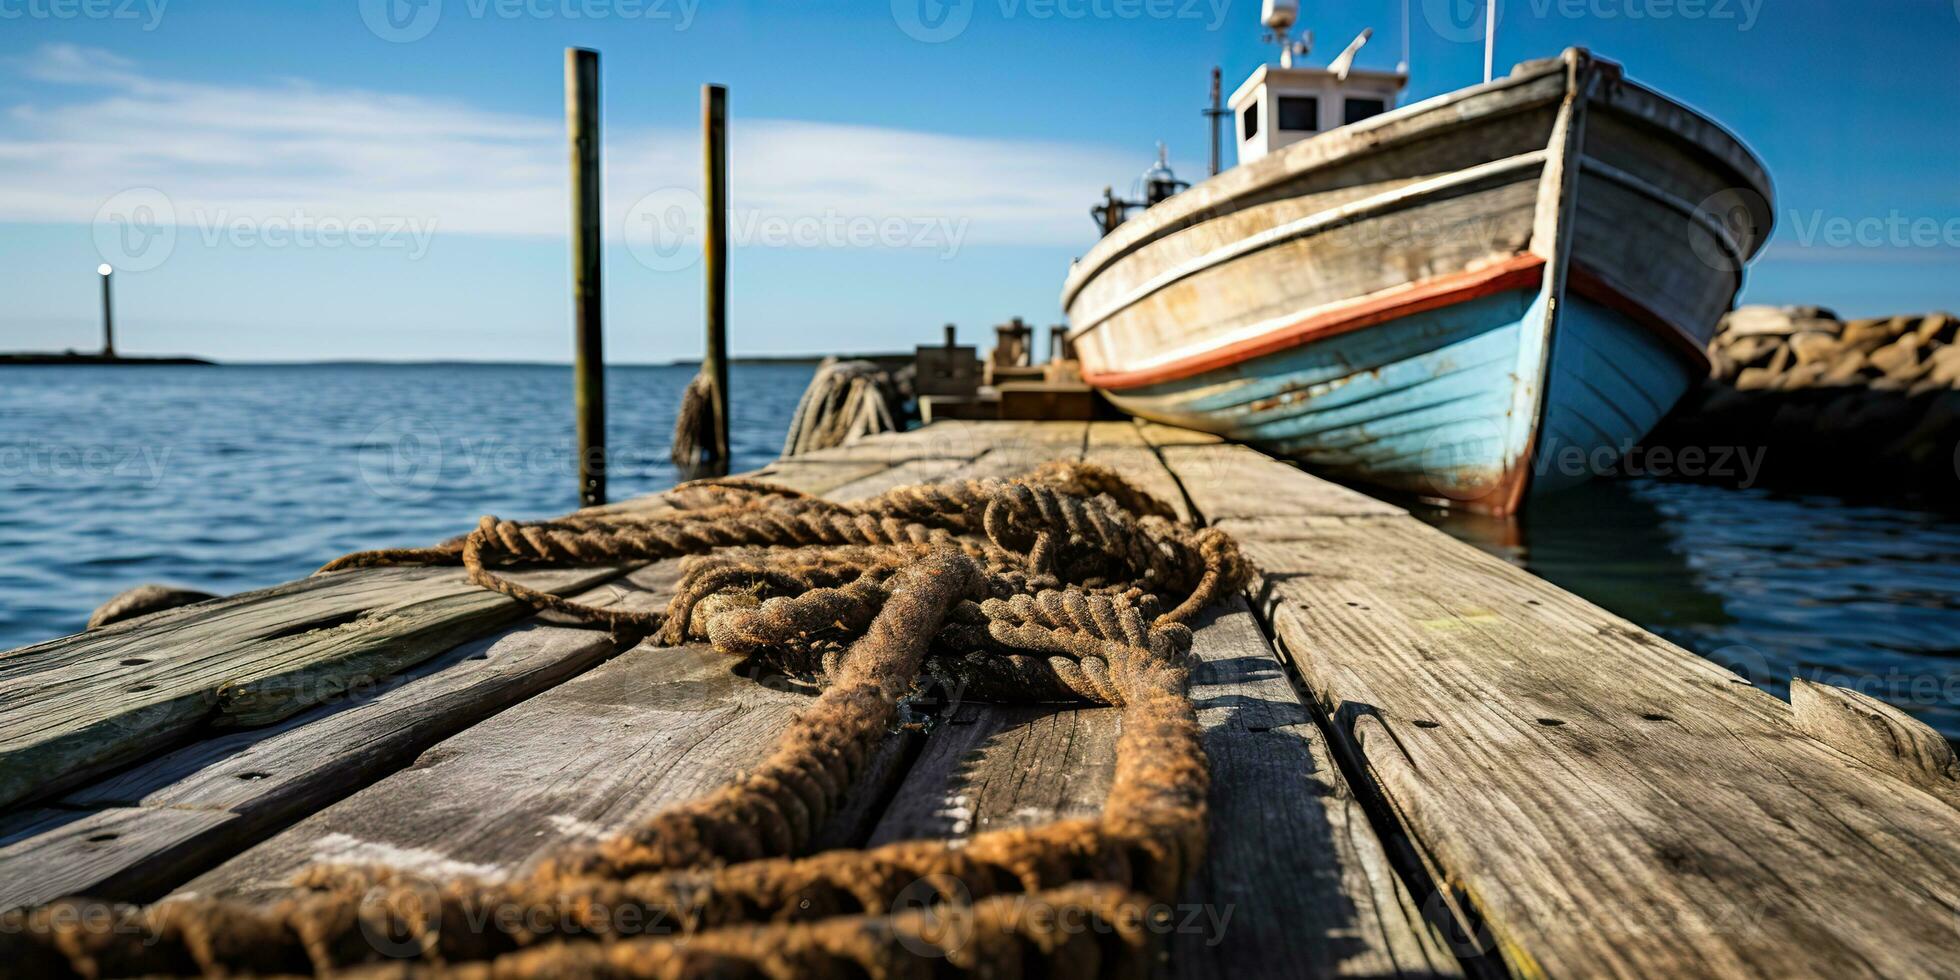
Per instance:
x=1869, y=405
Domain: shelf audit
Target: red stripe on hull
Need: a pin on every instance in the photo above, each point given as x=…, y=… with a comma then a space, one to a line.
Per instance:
x=1524, y=271
x=1518, y=272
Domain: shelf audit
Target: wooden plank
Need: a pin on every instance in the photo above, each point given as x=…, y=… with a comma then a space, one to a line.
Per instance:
x=1609, y=804
x=1878, y=735
x=1296, y=881
x=993, y=766
x=144, y=830
x=73, y=708
x=811, y=473
x=1159, y=434
x=1291, y=847
x=49, y=853
x=649, y=728
x=1240, y=483
x=1120, y=446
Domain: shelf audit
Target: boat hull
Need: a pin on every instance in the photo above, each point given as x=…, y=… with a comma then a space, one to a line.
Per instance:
x=1480, y=298
x=1420, y=404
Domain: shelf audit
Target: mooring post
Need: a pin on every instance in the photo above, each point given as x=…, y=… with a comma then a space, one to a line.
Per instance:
x=714, y=361
x=108, y=312
x=588, y=357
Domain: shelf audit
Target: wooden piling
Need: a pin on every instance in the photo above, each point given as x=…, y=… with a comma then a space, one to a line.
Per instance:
x=714, y=158
x=108, y=313
x=588, y=358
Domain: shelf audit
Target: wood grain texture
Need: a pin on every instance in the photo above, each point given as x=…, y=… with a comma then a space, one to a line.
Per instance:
x=1120, y=446
x=1879, y=735
x=72, y=708
x=1296, y=882
x=647, y=729
x=1239, y=483
x=151, y=827
x=1610, y=804
x=133, y=851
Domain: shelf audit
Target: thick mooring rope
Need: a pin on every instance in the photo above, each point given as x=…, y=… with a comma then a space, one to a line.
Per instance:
x=1066, y=583
x=694, y=426
x=845, y=401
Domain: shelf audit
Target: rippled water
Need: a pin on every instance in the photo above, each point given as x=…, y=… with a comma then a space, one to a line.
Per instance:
x=235, y=477
x=1771, y=586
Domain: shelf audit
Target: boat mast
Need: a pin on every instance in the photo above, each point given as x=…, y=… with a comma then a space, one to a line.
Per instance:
x=1216, y=115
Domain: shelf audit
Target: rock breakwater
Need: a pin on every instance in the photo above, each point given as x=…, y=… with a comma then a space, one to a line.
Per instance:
x=1870, y=404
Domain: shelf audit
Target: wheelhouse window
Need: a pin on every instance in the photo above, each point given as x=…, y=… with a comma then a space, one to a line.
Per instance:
x=1250, y=121
x=1359, y=109
x=1299, y=113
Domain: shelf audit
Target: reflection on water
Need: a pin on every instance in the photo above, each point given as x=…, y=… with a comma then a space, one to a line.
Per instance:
x=1771, y=586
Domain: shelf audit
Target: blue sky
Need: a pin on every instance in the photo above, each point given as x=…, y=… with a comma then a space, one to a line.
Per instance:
x=399, y=191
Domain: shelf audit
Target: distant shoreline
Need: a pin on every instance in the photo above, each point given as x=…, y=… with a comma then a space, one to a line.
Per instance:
x=117, y=360
x=810, y=360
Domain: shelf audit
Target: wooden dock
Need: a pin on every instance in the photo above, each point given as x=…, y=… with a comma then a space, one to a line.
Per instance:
x=1425, y=761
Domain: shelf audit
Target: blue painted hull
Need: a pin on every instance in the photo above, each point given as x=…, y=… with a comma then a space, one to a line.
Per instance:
x=1444, y=403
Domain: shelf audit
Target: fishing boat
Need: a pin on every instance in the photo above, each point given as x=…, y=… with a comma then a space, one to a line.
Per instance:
x=1479, y=298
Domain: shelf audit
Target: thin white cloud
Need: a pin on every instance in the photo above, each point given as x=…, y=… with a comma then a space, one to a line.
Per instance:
x=270, y=150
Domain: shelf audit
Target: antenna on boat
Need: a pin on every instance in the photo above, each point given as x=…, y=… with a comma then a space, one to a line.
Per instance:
x=1404, y=66
x=1490, y=35
x=1344, y=62
x=1279, y=16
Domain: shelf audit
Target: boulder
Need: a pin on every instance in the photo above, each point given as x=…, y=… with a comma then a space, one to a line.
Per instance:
x=1939, y=328
x=1755, y=378
x=1866, y=335
x=1750, y=351
x=1751, y=321
x=1845, y=368
x=1945, y=365
x=1804, y=375
x=1897, y=358
x=1814, y=347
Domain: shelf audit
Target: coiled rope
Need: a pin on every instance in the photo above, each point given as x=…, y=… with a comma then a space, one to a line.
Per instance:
x=1065, y=583
x=844, y=402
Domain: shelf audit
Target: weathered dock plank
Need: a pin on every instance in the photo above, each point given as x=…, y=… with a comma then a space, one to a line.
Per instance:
x=651, y=727
x=1295, y=881
x=1121, y=446
x=73, y=708
x=149, y=828
x=1878, y=735
x=1607, y=803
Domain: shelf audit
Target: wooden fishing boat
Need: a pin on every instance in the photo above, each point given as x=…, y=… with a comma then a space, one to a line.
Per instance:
x=1480, y=297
